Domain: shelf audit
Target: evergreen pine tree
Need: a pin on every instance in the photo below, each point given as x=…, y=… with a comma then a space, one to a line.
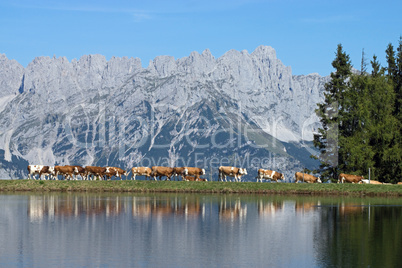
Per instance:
x=390, y=55
x=381, y=127
x=355, y=143
x=376, y=67
x=398, y=81
x=330, y=113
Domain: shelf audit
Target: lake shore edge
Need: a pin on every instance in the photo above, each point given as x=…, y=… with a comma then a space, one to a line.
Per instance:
x=142, y=186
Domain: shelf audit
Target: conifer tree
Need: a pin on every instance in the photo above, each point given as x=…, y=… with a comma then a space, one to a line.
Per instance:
x=398, y=80
x=356, y=141
x=330, y=112
x=382, y=127
x=376, y=67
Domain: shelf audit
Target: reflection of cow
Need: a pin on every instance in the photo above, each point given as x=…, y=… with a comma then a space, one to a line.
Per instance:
x=231, y=172
x=230, y=211
x=269, y=175
x=269, y=208
x=140, y=171
x=306, y=178
x=303, y=207
x=141, y=207
x=350, y=178
x=162, y=172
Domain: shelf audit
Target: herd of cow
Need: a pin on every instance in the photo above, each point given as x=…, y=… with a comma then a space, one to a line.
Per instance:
x=185, y=173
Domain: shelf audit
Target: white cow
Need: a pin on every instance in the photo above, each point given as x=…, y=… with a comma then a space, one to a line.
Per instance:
x=34, y=170
x=231, y=172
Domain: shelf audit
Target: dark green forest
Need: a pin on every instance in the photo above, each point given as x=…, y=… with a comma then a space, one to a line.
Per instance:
x=361, y=118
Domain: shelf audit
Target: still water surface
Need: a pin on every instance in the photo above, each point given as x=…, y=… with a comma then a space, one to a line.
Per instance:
x=177, y=230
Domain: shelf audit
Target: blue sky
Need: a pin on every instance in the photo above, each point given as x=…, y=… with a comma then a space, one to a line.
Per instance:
x=304, y=34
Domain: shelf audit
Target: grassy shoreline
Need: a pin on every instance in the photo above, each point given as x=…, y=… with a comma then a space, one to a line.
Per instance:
x=201, y=187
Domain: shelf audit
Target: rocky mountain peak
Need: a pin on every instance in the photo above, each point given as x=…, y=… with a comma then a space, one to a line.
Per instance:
x=114, y=112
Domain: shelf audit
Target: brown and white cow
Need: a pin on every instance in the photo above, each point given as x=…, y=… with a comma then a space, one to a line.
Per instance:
x=34, y=170
x=94, y=171
x=140, y=171
x=65, y=171
x=348, y=178
x=78, y=170
x=47, y=171
x=306, y=178
x=371, y=181
x=194, y=171
x=231, y=172
x=193, y=178
x=189, y=178
x=158, y=171
x=180, y=171
x=269, y=175
x=114, y=171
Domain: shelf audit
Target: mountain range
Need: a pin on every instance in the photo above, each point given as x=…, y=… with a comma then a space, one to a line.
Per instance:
x=243, y=109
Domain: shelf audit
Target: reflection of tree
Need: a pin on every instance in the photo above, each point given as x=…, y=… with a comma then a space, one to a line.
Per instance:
x=306, y=205
x=360, y=236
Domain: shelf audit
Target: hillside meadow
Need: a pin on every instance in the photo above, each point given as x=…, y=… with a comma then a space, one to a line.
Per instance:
x=201, y=187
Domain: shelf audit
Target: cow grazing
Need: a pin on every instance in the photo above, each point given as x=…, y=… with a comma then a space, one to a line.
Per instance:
x=141, y=171
x=269, y=175
x=306, y=178
x=114, y=171
x=231, y=172
x=94, y=171
x=347, y=178
x=194, y=171
x=162, y=172
x=65, y=171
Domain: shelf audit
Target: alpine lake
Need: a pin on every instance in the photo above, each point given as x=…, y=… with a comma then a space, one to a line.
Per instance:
x=198, y=230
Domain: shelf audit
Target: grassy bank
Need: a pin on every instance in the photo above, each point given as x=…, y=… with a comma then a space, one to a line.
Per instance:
x=202, y=187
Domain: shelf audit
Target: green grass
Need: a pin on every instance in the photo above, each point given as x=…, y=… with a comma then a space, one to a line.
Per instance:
x=202, y=187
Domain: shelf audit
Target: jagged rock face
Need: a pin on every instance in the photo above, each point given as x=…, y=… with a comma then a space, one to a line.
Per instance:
x=196, y=110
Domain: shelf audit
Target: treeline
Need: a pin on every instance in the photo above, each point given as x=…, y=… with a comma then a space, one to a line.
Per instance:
x=361, y=118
